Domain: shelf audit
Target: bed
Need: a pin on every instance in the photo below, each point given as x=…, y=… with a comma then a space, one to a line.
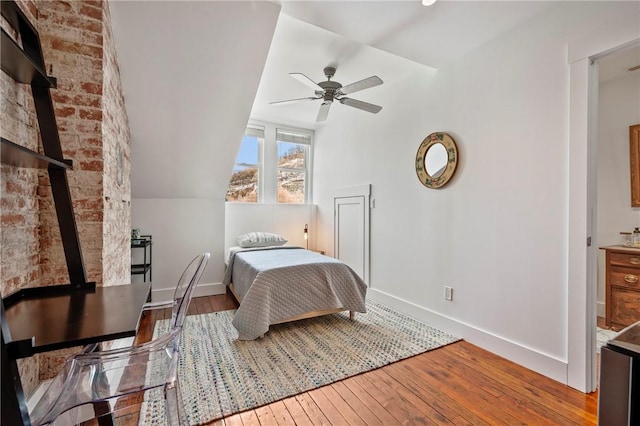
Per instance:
x=277, y=284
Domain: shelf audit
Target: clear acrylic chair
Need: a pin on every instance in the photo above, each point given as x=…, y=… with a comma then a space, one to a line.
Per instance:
x=87, y=379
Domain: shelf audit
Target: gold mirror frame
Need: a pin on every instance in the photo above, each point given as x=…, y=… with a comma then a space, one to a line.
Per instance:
x=634, y=154
x=452, y=160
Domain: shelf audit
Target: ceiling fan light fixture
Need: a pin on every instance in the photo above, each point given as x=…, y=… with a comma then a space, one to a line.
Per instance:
x=330, y=90
x=428, y=2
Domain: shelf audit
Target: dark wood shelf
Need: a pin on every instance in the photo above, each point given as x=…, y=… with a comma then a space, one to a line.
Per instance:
x=19, y=156
x=140, y=243
x=20, y=66
x=140, y=269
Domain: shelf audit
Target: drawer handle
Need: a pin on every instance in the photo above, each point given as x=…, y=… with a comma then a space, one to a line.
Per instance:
x=631, y=278
x=634, y=261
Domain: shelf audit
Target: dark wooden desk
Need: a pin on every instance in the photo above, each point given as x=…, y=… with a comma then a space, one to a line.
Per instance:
x=40, y=324
x=77, y=318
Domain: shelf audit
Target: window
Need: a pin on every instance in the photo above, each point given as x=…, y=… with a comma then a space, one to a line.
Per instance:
x=272, y=166
x=245, y=179
x=291, y=167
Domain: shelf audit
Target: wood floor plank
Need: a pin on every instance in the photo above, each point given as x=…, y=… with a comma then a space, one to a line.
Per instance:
x=392, y=385
x=351, y=415
x=514, y=402
x=376, y=408
x=534, y=390
x=353, y=402
x=313, y=411
x=203, y=305
x=335, y=417
x=580, y=400
x=399, y=408
x=265, y=416
x=249, y=418
x=281, y=414
x=456, y=389
x=235, y=420
x=434, y=396
x=297, y=412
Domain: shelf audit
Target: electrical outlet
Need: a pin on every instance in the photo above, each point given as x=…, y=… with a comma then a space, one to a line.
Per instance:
x=448, y=293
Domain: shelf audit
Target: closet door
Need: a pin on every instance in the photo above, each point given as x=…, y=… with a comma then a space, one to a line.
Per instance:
x=351, y=231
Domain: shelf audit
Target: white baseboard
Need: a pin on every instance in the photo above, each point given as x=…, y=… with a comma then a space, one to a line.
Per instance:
x=205, y=289
x=601, y=309
x=547, y=365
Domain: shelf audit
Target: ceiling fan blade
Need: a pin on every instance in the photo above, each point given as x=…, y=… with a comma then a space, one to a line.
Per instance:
x=361, y=85
x=324, y=111
x=289, y=101
x=365, y=106
x=305, y=80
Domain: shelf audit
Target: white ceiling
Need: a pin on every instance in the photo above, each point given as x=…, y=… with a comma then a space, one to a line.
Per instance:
x=364, y=38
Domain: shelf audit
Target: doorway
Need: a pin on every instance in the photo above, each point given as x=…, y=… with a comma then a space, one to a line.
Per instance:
x=618, y=107
x=581, y=309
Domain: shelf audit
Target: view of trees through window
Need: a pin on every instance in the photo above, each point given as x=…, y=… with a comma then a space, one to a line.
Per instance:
x=243, y=186
x=291, y=172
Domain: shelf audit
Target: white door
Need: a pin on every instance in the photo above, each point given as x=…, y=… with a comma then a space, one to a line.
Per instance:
x=349, y=232
x=351, y=229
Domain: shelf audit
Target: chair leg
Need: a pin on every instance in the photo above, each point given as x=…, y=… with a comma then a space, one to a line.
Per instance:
x=174, y=412
x=103, y=419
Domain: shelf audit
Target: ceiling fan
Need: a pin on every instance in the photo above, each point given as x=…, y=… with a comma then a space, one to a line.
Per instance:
x=330, y=90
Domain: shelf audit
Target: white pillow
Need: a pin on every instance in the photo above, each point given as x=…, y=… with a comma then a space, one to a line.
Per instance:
x=260, y=239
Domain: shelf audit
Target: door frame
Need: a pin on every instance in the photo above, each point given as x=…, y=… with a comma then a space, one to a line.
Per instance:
x=581, y=291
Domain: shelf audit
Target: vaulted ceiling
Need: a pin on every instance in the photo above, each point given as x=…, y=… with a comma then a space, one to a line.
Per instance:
x=195, y=71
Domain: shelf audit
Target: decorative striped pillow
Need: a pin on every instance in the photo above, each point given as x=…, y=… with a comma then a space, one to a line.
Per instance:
x=260, y=239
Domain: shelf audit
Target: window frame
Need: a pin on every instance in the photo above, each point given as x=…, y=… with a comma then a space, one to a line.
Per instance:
x=268, y=161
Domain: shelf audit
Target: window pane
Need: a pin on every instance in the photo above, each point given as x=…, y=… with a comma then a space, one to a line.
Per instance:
x=243, y=185
x=290, y=187
x=291, y=155
x=248, y=153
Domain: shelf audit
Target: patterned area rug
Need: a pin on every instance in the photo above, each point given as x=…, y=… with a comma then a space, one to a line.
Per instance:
x=220, y=375
x=602, y=336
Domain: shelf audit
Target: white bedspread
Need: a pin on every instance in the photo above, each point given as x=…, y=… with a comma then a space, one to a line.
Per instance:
x=277, y=283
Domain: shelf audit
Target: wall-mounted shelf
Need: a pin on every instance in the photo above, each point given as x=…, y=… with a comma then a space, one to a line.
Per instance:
x=19, y=156
x=21, y=67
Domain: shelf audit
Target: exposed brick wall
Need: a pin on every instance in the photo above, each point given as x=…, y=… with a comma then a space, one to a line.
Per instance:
x=80, y=52
x=116, y=256
x=71, y=36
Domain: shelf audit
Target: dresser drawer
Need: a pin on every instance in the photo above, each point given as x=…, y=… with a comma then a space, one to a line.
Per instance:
x=625, y=277
x=625, y=307
x=623, y=259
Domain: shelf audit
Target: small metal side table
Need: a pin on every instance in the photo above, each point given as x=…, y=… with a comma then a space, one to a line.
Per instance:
x=145, y=243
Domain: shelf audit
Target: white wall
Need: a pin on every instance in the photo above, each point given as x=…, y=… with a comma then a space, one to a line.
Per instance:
x=185, y=136
x=618, y=108
x=287, y=220
x=498, y=232
x=182, y=228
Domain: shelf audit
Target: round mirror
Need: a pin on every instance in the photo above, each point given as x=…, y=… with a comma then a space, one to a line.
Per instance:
x=436, y=160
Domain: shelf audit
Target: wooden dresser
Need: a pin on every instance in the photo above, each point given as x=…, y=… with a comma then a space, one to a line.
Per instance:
x=623, y=286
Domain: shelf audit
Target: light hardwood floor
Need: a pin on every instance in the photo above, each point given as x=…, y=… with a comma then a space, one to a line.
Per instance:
x=458, y=384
